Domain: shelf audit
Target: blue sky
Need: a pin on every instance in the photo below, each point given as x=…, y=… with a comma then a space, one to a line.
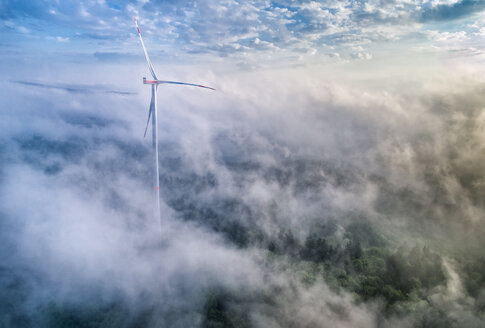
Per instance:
x=244, y=32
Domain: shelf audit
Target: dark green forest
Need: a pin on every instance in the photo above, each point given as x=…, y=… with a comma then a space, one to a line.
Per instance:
x=361, y=262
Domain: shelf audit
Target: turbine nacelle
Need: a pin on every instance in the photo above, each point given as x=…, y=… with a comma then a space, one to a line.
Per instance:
x=145, y=81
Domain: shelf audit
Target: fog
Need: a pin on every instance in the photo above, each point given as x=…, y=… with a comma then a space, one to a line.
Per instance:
x=272, y=151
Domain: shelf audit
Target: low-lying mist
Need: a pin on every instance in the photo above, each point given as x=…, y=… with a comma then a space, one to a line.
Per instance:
x=320, y=201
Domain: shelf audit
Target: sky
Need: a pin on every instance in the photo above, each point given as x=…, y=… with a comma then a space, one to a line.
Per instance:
x=244, y=33
x=325, y=111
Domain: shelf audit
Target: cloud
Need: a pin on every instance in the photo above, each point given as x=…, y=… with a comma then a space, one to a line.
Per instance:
x=453, y=11
x=62, y=39
x=229, y=28
x=86, y=89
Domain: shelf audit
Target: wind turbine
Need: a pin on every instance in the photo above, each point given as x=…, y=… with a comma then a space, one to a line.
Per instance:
x=152, y=113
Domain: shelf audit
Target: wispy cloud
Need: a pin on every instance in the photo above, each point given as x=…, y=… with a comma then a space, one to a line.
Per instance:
x=75, y=88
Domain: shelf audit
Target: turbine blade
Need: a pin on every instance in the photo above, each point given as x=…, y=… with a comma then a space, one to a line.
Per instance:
x=185, y=83
x=150, y=66
x=149, y=115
